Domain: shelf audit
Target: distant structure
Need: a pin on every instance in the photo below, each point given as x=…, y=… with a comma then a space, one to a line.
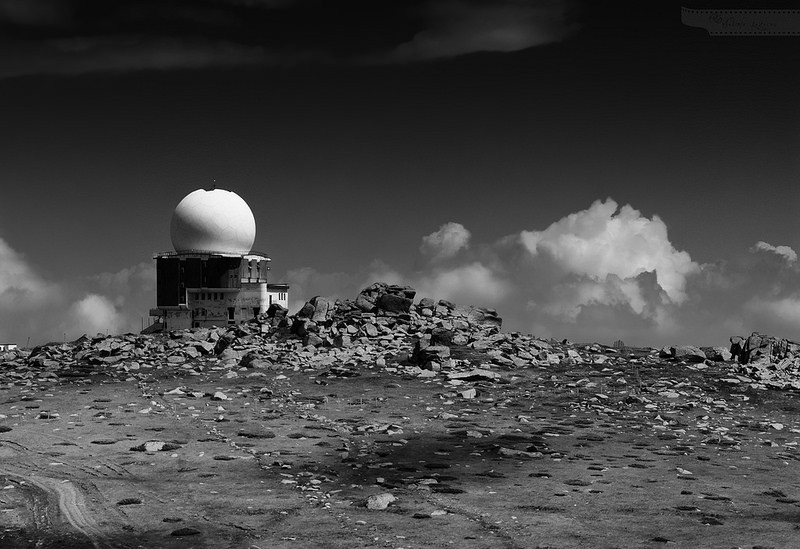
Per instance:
x=213, y=278
x=7, y=347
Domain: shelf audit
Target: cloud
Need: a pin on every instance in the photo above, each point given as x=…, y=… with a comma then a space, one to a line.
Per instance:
x=33, y=307
x=459, y=27
x=95, y=314
x=785, y=251
x=81, y=36
x=606, y=240
x=446, y=242
x=21, y=288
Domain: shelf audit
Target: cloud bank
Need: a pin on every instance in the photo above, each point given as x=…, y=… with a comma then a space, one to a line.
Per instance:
x=600, y=274
x=36, y=310
x=84, y=36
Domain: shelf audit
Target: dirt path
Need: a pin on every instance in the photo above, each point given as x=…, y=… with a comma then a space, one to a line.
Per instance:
x=54, y=498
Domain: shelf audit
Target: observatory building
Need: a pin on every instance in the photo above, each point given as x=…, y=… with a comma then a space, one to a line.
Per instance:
x=213, y=278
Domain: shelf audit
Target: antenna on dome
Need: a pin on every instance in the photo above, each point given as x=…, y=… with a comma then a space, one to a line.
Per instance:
x=213, y=184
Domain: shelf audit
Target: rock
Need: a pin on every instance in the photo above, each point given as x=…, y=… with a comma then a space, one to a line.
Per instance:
x=276, y=310
x=306, y=311
x=442, y=336
x=365, y=303
x=395, y=303
x=155, y=446
x=476, y=374
x=380, y=501
x=342, y=341
x=433, y=353
x=324, y=309
x=762, y=348
x=370, y=330
x=689, y=353
x=484, y=319
x=718, y=354
x=313, y=340
x=129, y=501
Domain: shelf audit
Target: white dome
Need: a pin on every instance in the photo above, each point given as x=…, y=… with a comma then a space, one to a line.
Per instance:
x=213, y=221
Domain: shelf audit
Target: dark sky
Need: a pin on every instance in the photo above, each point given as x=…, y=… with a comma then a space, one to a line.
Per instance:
x=355, y=129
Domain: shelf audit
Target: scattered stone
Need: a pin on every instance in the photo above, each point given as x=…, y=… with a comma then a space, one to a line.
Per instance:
x=380, y=501
x=129, y=501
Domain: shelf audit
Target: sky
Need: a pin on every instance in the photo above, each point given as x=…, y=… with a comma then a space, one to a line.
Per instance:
x=593, y=172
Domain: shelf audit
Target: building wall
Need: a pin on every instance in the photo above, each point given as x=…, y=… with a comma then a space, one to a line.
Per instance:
x=204, y=290
x=279, y=297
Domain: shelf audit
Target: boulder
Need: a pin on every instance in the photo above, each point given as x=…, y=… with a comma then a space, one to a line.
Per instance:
x=442, y=336
x=484, y=319
x=760, y=348
x=323, y=309
x=312, y=339
x=395, y=303
x=307, y=311
x=689, y=353
x=276, y=310
x=718, y=354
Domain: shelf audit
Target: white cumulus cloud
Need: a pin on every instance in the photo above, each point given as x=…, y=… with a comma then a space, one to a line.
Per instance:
x=446, y=242
x=95, y=314
x=784, y=251
x=607, y=240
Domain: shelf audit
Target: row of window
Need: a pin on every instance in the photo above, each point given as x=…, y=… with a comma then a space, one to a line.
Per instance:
x=207, y=295
x=221, y=295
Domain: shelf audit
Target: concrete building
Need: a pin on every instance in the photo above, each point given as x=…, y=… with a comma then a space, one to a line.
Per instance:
x=213, y=278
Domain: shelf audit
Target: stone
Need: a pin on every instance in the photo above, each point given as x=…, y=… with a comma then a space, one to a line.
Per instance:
x=433, y=353
x=689, y=353
x=313, y=340
x=365, y=303
x=395, y=303
x=370, y=330
x=718, y=354
x=484, y=319
x=442, y=336
x=276, y=310
x=342, y=341
x=324, y=309
x=762, y=348
x=379, y=502
x=306, y=311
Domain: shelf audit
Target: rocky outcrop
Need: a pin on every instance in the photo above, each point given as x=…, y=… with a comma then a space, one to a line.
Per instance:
x=760, y=348
x=386, y=297
x=381, y=328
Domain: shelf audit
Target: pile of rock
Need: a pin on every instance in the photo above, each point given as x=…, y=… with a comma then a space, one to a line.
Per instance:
x=770, y=361
x=382, y=327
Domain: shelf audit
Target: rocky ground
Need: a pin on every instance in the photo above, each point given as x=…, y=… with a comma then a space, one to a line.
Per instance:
x=383, y=422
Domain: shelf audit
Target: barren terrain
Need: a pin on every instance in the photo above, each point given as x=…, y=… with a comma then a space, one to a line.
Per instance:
x=635, y=451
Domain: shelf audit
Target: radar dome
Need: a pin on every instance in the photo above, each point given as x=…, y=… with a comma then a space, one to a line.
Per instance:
x=213, y=221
